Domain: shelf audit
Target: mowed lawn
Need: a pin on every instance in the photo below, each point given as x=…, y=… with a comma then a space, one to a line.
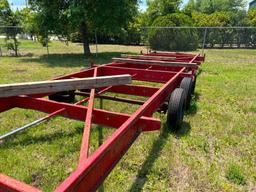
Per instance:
x=214, y=151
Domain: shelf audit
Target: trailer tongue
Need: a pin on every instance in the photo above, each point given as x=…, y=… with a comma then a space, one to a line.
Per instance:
x=176, y=72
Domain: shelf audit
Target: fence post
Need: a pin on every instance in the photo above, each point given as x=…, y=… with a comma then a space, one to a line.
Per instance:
x=205, y=33
x=96, y=42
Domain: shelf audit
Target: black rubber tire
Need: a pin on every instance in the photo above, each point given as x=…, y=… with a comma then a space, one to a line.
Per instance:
x=163, y=108
x=89, y=90
x=64, y=96
x=85, y=90
x=194, y=85
x=187, y=85
x=176, y=108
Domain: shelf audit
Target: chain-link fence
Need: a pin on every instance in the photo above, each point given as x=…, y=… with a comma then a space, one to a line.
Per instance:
x=14, y=41
x=192, y=38
x=9, y=43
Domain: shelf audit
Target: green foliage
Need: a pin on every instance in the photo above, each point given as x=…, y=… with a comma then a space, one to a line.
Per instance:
x=252, y=17
x=76, y=37
x=210, y=6
x=5, y=12
x=172, y=39
x=158, y=8
x=10, y=19
x=12, y=44
x=28, y=22
x=72, y=16
x=235, y=175
x=215, y=19
x=225, y=19
x=189, y=8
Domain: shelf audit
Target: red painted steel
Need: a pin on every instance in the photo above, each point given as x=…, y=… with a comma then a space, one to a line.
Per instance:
x=5, y=104
x=90, y=174
x=100, y=117
x=151, y=76
x=113, y=98
x=8, y=184
x=137, y=90
x=88, y=124
x=93, y=169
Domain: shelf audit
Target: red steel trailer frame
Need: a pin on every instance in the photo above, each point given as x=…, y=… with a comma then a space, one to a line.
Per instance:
x=93, y=169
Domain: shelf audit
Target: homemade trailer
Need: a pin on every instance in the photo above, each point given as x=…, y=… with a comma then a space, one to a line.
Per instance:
x=176, y=72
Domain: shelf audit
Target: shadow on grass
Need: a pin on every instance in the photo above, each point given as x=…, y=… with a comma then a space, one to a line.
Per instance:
x=193, y=106
x=73, y=60
x=183, y=131
x=154, y=153
x=200, y=70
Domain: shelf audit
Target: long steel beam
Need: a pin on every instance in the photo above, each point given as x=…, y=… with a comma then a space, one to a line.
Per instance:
x=155, y=62
x=113, y=98
x=8, y=184
x=84, y=152
x=100, y=117
x=154, y=71
x=161, y=58
x=142, y=74
x=6, y=104
x=178, y=56
x=138, y=90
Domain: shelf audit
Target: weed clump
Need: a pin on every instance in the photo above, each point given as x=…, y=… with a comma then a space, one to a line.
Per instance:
x=235, y=175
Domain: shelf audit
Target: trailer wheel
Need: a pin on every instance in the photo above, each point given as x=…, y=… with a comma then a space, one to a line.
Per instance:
x=65, y=96
x=194, y=85
x=187, y=85
x=89, y=90
x=176, y=109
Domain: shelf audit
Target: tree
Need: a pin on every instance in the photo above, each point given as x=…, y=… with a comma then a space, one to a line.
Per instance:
x=211, y=6
x=158, y=8
x=27, y=21
x=173, y=39
x=10, y=20
x=189, y=8
x=222, y=19
x=252, y=17
x=252, y=21
x=65, y=17
x=5, y=12
x=219, y=19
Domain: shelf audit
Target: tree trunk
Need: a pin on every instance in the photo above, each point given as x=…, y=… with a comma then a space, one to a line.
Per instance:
x=85, y=39
x=15, y=46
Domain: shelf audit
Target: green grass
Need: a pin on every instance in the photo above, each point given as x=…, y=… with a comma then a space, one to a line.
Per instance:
x=236, y=175
x=214, y=151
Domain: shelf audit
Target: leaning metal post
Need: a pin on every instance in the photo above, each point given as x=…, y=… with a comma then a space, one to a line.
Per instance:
x=205, y=33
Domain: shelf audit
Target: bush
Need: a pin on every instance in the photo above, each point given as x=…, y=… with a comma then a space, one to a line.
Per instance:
x=76, y=37
x=235, y=175
x=173, y=39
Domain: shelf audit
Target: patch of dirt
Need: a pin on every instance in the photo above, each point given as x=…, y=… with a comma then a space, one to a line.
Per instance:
x=36, y=179
x=180, y=176
x=19, y=70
